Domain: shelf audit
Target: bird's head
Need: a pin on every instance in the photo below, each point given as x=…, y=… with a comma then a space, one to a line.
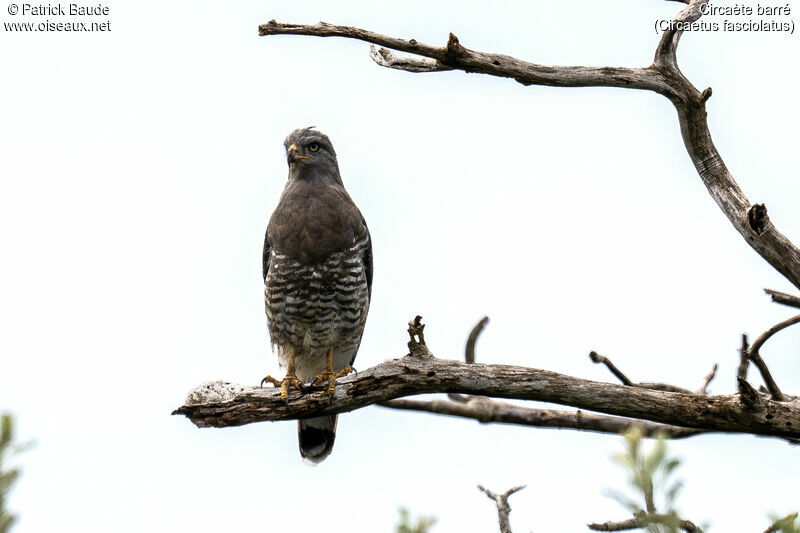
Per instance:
x=310, y=154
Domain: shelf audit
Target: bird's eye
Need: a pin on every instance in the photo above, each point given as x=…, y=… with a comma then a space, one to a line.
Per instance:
x=313, y=147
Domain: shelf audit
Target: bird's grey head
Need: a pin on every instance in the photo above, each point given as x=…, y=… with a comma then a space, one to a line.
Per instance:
x=310, y=155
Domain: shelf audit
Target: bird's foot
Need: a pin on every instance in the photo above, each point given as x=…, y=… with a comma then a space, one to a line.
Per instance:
x=285, y=384
x=331, y=377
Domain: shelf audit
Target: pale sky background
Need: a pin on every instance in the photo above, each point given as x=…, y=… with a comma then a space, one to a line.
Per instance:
x=139, y=168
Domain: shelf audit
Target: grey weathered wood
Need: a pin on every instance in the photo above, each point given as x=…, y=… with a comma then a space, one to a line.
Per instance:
x=219, y=405
x=486, y=410
x=503, y=508
x=783, y=298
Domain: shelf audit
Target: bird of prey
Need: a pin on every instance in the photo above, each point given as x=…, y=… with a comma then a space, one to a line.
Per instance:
x=317, y=267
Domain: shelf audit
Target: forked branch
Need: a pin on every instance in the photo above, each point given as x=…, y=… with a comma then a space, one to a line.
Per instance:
x=487, y=410
x=754, y=356
x=662, y=76
x=503, y=509
x=220, y=404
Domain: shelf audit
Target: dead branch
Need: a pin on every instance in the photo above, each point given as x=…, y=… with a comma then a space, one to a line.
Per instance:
x=783, y=298
x=744, y=361
x=764, y=337
x=503, y=509
x=469, y=350
x=220, y=404
x=597, y=358
x=707, y=380
x=469, y=354
x=486, y=411
x=754, y=356
x=666, y=387
x=663, y=77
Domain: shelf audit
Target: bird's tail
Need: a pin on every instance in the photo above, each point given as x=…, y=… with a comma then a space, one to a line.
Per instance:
x=316, y=436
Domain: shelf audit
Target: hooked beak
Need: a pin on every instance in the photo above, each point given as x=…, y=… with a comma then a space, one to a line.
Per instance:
x=292, y=155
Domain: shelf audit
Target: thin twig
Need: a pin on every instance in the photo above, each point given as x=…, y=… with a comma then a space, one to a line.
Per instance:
x=597, y=358
x=503, y=509
x=469, y=355
x=744, y=360
x=469, y=350
x=764, y=337
x=783, y=298
x=710, y=376
x=754, y=355
x=766, y=375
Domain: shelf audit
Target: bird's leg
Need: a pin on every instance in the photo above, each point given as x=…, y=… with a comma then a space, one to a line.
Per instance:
x=329, y=375
x=290, y=380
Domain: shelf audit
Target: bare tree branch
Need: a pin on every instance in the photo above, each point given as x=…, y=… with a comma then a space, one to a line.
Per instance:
x=455, y=56
x=766, y=375
x=597, y=358
x=219, y=404
x=503, y=509
x=710, y=376
x=744, y=360
x=485, y=410
x=469, y=350
x=663, y=77
x=754, y=355
x=764, y=337
x=783, y=298
x=469, y=355
x=748, y=412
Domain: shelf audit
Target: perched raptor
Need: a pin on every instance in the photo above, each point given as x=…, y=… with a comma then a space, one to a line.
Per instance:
x=318, y=275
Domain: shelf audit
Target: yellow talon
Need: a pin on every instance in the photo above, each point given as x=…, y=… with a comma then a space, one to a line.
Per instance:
x=284, y=384
x=329, y=375
x=290, y=380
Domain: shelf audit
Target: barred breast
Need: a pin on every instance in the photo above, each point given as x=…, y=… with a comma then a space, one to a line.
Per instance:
x=311, y=308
